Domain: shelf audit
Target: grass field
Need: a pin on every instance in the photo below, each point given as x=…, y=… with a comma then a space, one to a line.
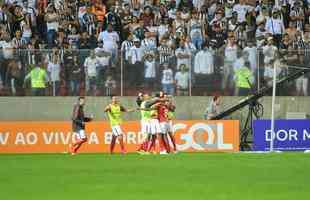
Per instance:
x=132, y=177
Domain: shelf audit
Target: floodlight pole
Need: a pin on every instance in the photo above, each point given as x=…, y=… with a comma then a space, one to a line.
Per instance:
x=272, y=106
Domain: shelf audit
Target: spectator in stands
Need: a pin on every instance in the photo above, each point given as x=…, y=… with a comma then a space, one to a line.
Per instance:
x=90, y=66
x=204, y=61
x=53, y=69
x=103, y=64
x=251, y=49
x=291, y=31
x=114, y=19
x=7, y=55
x=15, y=77
x=302, y=85
x=135, y=69
x=52, y=23
x=161, y=26
x=150, y=70
x=126, y=18
x=88, y=21
x=147, y=16
x=297, y=15
x=217, y=35
x=286, y=49
x=99, y=10
x=183, y=55
x=149, y=42
x=196, y=30
x=275, y=26
x=242, y=9
x=269, y=51
x=166, y=53
x=231, y=50
x=167, y=80
x=204, y=67
x=269, y=67
x=74, y=74
x=110, y=85
x=110, y=39
x=182, y=81
x=260, y=35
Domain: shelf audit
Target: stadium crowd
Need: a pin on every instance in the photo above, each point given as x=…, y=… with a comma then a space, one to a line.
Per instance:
x=71, y=47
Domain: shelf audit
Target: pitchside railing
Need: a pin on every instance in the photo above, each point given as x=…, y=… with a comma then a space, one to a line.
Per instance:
x=183, y=72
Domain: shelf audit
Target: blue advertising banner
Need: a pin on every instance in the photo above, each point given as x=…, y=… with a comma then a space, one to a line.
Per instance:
x=290, y=135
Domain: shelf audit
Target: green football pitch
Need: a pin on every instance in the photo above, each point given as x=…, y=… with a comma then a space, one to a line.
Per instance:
x=181, y=176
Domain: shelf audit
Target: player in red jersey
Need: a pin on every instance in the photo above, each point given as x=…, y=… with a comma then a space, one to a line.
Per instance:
x=154, y=126
x=171, y=107
x=163, y=119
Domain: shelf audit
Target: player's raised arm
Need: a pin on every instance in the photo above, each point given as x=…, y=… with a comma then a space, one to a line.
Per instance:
x=123, y=109
x=107, y=108
x=151, y=102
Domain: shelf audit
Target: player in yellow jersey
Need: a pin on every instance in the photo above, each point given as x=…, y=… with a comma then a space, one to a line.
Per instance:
x=115, y=111
x=145, y=123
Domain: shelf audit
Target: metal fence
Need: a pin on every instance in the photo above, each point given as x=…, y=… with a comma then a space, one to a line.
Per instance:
x=181, y=72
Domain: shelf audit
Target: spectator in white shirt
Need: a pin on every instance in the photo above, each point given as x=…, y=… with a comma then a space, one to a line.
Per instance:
x=110, y=40
x=275, y=26
x=135, y=71
x=269, y=51
x=252, y=51
x=52, y=24
x=163, y=28
x=183, y=55
x=260, y=34
x=150, y=70
x=182, y=81
x=204, y=68
x=268, y=70
x=53, y=69
x=90, y=66
x=125, y=48
x=230, y=56
x=204, y=61
x=110, y=85
x=7, y=55
x=103, y=64
x=167, y=80
x=241, y=8
x=298, y=16
x=149, y=42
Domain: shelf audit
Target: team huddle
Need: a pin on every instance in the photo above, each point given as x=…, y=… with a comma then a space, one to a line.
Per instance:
x=156, y=124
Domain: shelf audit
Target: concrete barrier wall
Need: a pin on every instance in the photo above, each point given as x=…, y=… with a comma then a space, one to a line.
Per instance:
x=60, y=108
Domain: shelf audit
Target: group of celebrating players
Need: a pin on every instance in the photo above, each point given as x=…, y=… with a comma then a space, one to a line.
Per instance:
x=156, y=124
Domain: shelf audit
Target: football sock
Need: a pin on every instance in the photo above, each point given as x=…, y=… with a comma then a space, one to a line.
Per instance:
x=121, y=141
x=112, y=144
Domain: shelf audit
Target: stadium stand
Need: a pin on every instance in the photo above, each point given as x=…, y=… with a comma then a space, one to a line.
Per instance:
x=184, y=47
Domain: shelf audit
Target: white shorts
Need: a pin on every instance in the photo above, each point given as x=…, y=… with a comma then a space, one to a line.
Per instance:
x=164, y=127
x=80, y=135
x=154, y=126
x=116, y=130
x=145, y=127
